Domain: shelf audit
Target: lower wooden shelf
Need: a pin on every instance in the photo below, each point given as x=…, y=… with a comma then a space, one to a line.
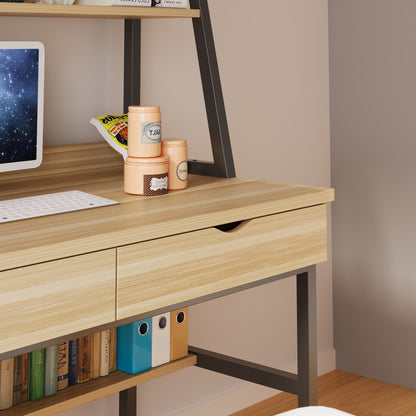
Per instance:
x=79, y=394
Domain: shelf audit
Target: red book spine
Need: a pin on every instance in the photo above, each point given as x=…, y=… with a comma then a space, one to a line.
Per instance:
x=25, y=377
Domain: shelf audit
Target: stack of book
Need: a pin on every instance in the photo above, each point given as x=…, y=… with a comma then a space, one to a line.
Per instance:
x=44, y=372
x=140, y=346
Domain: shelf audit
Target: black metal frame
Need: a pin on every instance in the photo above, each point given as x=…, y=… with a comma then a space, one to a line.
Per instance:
x=303, y=384
x=307, y=342
x=127, y=403
x=223, y=165
x=132, y=62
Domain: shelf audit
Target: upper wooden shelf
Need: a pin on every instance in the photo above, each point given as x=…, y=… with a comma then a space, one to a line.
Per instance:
x=108, y=12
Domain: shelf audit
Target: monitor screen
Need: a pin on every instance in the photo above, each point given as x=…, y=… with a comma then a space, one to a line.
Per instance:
x=21, y=104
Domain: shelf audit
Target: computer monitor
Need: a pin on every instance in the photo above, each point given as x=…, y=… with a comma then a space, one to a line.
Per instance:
x=22, y=72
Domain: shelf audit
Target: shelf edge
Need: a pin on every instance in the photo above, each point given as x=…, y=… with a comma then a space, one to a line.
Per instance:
x=78, y=11
x=80, y=394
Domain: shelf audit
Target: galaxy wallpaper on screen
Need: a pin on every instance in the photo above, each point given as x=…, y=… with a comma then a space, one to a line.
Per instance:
x=18, y=104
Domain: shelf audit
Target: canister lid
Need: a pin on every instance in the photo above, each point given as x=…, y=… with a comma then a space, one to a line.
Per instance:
x=173, y=142
x=144, y=109
x=146, y=160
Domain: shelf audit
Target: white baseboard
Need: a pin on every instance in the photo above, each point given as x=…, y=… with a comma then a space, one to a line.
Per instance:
x=246, y=394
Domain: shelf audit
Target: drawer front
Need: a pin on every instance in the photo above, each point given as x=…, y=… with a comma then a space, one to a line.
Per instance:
x=52, y=299
x=170, y=270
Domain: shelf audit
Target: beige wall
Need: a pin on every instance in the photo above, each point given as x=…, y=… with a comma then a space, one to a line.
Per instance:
x=274, y=68
x=373, y=124
x=83, y=75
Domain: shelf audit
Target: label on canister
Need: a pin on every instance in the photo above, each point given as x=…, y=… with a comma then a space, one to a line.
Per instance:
x=182, y=170
x=151, y=132
x=155, y=184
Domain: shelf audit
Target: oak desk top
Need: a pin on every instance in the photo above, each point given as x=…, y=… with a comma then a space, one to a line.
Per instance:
x=97, y=169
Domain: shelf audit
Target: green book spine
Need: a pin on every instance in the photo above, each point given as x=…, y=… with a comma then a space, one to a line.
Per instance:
x=36, y=374
x=51, y=370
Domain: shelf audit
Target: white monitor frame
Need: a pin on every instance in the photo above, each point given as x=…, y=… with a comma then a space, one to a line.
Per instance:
x=5, y=167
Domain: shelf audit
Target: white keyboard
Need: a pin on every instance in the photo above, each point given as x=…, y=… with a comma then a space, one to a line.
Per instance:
x=56, y=203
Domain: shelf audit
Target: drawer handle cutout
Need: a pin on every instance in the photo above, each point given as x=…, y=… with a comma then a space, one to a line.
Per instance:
x=231, y=226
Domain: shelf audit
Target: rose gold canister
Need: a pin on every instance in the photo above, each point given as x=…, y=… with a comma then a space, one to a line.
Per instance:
x=143, y=132
x=177, y=152
x=146, y=176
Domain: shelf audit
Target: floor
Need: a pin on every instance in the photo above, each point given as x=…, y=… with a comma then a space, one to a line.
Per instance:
x=354, y=394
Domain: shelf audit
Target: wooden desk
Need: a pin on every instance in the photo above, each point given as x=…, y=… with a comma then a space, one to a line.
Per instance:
x=67, y=275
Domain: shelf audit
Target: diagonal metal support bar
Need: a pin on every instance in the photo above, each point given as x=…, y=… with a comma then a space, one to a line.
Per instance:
x=245, y=370
x=223, y=165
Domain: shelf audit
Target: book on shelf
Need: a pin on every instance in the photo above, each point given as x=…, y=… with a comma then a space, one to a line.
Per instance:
x=72, y=361
x=134, y=346
x=105, y=353
x=160, y=339
x=113, y=350
x=25, y=377
x=140, y=3
x=178, y=333
x=6, y=383
x=84, y=359
x=36, y=374
x=51, y=370
x=63, y=365
x=17, y=380
x=95, y=355
x=181, y=4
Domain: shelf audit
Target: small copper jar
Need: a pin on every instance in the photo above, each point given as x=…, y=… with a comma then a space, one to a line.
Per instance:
x=146, y=176
x=177, y=152
x=144, y=131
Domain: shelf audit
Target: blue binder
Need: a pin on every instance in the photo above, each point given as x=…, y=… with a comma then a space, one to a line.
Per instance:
x=134, y=346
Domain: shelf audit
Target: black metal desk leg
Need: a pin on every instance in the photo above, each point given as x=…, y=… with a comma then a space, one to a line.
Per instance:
x=128, y=402
x=307, y=344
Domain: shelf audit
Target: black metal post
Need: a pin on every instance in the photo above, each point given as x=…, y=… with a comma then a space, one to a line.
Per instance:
x=128, y=402
x=223, y=165
x=307, y=344
x=132, y=33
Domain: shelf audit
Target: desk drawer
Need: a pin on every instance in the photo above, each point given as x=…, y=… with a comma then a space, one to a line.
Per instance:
x=170, y=270
x=52, y=299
